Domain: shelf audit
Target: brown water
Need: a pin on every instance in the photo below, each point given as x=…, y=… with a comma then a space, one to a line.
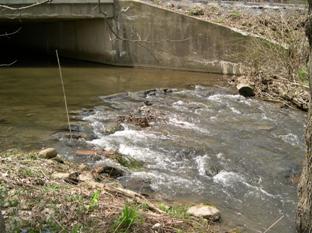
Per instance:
x=31, y=100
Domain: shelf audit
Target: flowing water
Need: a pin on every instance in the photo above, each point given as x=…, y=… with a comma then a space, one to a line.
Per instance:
x=202, y=144
x=205, y=144
x=31, y=99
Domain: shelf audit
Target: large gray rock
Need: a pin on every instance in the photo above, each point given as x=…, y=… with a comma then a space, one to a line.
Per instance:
x=205, y=211
x=48, y=153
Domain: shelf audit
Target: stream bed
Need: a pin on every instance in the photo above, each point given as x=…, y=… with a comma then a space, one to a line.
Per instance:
x=201, y=142
x=206, y=145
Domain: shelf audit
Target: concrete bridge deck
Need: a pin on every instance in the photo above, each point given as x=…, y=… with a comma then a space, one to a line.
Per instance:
x=56, y=9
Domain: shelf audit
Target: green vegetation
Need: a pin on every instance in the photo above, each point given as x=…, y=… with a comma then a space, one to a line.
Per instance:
x=235, y=14
x=303, y=74
x=128, y=217
x=196, y=11
x=176, y=211
x=128, y=162
x=94, y=202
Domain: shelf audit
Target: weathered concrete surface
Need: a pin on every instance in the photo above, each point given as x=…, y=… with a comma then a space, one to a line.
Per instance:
x=57, y=9
x=142, y=35
x=178, y=41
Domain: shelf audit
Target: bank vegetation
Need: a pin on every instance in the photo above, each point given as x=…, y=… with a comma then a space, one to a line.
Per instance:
x=52, y=195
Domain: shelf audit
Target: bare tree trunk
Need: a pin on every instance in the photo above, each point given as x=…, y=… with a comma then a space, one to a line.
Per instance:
x=304, y=211
x=2, y=225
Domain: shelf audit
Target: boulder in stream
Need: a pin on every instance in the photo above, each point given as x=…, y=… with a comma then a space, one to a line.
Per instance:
x=48, y=153
x=205, y=211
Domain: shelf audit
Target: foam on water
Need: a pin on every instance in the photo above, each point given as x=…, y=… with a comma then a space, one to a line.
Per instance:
x=227, y=179
x=173, y=120
x=290, y=138
x=201, y=162
x=184, y=149
x=230, y=179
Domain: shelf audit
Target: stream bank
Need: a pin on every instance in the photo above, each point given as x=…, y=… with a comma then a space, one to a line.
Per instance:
x=52, y=195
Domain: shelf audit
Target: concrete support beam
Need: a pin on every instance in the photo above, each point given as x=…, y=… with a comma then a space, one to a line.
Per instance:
x=58, y=9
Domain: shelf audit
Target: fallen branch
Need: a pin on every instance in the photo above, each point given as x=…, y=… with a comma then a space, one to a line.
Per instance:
x=9, y=64
x=136, y=196
x=273, y=224
x=24, y=7
x=11, y=33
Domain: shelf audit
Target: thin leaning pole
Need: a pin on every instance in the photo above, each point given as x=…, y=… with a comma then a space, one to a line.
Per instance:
x=64, y=93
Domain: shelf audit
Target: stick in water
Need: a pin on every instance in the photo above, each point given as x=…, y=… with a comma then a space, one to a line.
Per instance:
x=276, y=222
x=64, y=94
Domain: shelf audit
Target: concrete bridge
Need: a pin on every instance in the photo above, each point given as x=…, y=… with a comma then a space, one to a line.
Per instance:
x=125, y=33
x=56, y=9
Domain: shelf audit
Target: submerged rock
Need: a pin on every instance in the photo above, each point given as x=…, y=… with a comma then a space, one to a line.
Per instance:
x=205, y=211
x=48, y=153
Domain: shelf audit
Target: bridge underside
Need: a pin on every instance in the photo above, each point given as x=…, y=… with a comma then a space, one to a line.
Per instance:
x=138, y=35
x=79, y=39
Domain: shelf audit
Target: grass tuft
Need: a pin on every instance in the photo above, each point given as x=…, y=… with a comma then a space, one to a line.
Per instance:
x=126, y=219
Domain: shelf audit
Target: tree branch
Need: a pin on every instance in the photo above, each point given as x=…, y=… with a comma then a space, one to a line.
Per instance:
x=9, y=64
x=24, y=7
x=6, y=34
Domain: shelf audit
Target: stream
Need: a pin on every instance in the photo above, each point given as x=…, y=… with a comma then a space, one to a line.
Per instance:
x=203, y=142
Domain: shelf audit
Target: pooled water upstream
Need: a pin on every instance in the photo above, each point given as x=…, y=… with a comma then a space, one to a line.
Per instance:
x=208, y=145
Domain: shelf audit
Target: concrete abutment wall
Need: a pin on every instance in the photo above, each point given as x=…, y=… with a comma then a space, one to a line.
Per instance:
x=141, y=35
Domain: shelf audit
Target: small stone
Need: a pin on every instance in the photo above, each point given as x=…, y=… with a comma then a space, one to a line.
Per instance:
x=48, y=153
x=205, y=211
x=156, y=226
x=60, y=175
x=82, y=167
x=85, y=176
x=170, y=5
x=58, y=159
